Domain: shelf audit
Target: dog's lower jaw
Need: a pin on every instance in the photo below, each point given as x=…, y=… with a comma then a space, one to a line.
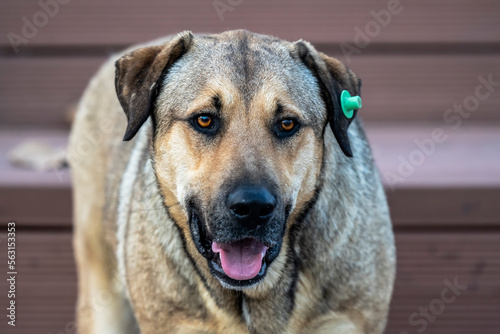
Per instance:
x=229, y=283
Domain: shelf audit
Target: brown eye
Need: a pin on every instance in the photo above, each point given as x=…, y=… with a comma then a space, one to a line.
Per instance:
x=287, y=125
x=204, y=121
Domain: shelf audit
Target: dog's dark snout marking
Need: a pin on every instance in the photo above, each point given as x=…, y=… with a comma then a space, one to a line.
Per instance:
x=251, y=205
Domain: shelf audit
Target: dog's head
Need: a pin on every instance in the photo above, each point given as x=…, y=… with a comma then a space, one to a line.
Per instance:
x=239, y=122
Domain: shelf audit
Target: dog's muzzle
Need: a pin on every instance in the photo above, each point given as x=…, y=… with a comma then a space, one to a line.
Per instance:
x=245, y=239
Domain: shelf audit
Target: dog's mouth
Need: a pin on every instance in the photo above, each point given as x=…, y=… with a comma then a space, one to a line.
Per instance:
x=237, y=264
x=240, y=260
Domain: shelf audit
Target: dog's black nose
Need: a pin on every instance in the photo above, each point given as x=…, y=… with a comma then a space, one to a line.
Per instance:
x=251, y=205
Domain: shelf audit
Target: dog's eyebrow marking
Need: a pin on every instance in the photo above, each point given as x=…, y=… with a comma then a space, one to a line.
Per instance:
x=285, y=109
x=281, y=111
x=278, y=111
x=217, y=103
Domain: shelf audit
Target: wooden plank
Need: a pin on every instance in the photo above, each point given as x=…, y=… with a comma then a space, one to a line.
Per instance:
x=449, y=207
x=426, y=262
x=419, y=208
x=33, y=197
x=424, y=87
x=46, y=282
x=19, y=177
x=414, y=156
x=39, y=92
x=127, y=22
x=35, y=206
x=450, y=182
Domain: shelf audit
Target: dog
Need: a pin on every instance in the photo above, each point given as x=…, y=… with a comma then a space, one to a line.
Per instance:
x=219, y=188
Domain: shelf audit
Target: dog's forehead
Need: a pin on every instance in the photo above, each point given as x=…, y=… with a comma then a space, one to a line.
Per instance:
x=249, y=60
x=252, y=64
x=246, y=55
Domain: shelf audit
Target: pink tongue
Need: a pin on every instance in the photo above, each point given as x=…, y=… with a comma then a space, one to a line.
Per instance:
x=241, y=260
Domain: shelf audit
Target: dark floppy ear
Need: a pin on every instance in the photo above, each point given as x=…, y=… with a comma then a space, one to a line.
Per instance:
x=332, y=77
x=139, y=75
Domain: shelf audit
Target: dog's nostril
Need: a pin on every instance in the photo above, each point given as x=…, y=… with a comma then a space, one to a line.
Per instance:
x=266, y=210
x=241, y=210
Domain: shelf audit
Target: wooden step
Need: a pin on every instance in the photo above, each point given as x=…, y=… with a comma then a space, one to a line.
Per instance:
x=456, y=185
x=39, y=92
x=46, y=282
x=322, y=21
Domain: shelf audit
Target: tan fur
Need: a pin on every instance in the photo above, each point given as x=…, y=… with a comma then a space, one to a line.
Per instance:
x=95, y=256
x=133, y=241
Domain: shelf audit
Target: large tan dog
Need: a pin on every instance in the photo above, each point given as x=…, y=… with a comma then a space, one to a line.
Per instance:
x=239, y=202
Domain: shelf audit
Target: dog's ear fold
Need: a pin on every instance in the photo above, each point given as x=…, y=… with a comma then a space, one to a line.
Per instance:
x=333, y=77
x=139, y=75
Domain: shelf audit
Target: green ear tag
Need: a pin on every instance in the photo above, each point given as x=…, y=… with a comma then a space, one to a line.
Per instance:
x=349, y=103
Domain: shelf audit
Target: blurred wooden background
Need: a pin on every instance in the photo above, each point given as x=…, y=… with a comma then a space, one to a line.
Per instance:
x=420, y=61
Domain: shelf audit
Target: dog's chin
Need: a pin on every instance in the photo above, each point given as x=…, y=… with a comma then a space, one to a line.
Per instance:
x=221, y=260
